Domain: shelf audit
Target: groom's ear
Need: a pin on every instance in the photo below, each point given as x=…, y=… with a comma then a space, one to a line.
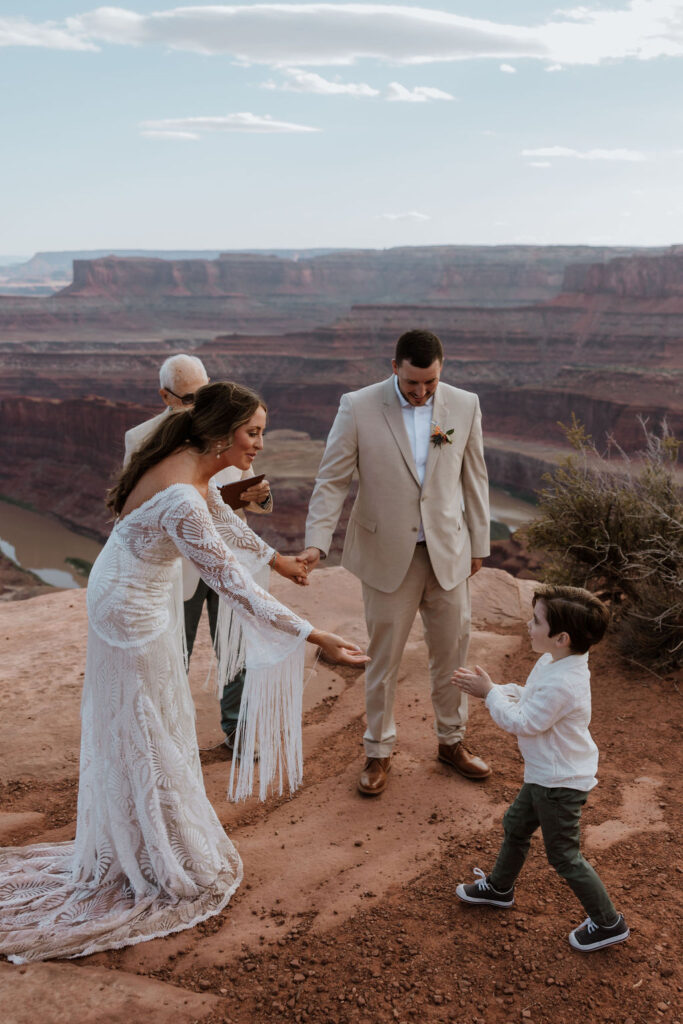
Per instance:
x=394, y=366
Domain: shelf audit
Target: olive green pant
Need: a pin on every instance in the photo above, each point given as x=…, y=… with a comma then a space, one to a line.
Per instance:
x=558, y=813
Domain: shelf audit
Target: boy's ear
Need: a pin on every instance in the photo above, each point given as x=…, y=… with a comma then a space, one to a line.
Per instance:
x=563, y=640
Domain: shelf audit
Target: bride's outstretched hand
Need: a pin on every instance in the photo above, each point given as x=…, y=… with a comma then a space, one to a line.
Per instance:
x=337, y=649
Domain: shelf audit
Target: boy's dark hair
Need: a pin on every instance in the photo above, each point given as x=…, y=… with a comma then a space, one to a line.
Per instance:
x=420, y=348
x=576, y=612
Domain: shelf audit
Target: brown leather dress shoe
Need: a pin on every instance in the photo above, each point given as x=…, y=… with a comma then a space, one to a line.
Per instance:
x=373, y=778
x=464, y=761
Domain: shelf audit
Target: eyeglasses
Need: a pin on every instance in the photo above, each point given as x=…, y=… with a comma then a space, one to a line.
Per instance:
x=185, y=399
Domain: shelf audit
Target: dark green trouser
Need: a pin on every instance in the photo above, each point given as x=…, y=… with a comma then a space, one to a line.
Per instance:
x=232, y=691
x=558, y=812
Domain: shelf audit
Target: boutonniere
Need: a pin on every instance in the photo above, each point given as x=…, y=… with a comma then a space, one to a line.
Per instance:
x=439, y=437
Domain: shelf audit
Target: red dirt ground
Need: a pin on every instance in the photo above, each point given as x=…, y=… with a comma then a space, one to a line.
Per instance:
x=348, y=913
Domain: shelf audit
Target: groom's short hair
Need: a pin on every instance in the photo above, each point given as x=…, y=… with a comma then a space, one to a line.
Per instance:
x=421, y=348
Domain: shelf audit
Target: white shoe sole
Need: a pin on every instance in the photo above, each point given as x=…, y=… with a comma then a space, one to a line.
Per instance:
x=460, y=892
x=621, y=937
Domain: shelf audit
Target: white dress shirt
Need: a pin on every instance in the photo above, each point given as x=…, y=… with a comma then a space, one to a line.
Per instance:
x=550, y=718
x=418, y=424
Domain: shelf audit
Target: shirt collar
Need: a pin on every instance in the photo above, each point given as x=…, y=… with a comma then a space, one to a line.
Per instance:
x=405, y=403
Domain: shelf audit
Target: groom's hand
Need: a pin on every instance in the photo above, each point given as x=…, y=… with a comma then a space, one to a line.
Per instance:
x=475, y=565
x=311, y=556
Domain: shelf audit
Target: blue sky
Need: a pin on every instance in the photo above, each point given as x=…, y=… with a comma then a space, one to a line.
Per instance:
x=334, y=124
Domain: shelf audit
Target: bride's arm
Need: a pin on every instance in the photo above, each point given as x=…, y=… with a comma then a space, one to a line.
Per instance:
x=253, y=552
x=270, y=711
x=194, y=532
x=247, y=545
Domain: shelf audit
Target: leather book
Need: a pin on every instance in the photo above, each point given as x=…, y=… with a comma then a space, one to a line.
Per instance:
x=231, y=493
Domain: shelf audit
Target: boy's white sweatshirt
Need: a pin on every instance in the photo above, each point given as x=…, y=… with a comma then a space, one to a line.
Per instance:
x=550, y=717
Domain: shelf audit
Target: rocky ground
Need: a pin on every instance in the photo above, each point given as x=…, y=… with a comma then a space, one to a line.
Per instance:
x=348, y=913
x=17, y=584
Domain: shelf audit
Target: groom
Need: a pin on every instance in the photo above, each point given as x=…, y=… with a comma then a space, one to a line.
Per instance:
x=418, y=529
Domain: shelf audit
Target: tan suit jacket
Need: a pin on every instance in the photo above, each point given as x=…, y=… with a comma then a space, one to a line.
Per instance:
x=369, y=435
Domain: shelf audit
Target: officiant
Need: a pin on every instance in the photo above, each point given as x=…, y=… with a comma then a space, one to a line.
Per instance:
x=180, y=376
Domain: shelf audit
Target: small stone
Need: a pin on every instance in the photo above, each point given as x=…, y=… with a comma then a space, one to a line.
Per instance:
x=299, y=977
x=358, y=842
x=204, y=984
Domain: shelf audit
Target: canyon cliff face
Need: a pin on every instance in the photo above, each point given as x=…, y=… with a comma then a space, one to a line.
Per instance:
x=495, y=275
x=78, y=370
x=641, y=278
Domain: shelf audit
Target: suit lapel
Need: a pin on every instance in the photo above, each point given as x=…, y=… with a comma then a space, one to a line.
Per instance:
x=394, y=417
x=439, y=414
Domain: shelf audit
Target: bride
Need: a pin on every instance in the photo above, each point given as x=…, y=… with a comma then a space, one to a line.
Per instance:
x=150, y=855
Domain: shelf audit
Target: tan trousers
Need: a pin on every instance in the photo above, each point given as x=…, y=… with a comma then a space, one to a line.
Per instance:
x=446, y=621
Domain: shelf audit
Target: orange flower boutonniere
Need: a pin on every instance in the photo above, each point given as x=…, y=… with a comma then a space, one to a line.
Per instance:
x=439, y=437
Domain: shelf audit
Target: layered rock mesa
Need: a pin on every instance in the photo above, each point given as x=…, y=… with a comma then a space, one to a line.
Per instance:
x=143, y=297
x=480, y=275
x=604, y=356
x=656, y=280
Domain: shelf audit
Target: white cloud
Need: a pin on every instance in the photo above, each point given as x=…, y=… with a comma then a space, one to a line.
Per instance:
x=166, y=134
x=398, y=93
x=293, y=34
x=508, y=69
x=318, y=33
x=626, y=155
x=554, y=67
x=413, y=215
x=540, y=163
x=49, y=35
x=297, y=80
x=194, y=127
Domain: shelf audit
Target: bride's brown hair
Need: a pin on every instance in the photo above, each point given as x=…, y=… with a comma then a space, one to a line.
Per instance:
x=218, y=410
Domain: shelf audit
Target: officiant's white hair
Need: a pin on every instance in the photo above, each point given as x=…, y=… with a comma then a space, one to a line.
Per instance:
x=176, y=368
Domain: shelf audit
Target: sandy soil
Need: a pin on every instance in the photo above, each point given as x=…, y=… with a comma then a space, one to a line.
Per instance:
x=348, y=911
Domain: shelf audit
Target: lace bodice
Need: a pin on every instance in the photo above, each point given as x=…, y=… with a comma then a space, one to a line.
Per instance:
x=128, y=591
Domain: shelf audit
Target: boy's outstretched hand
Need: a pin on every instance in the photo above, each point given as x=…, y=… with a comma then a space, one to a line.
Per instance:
x=475, y=682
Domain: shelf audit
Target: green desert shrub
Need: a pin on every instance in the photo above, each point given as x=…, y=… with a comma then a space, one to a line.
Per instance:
x=612, y=523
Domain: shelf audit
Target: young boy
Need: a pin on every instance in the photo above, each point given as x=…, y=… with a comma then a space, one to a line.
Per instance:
x=550, y=717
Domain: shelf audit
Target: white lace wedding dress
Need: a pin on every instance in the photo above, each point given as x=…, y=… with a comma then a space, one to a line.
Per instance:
x=150, y=855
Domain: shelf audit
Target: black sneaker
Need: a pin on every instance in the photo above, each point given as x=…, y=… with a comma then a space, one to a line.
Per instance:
x=483, y=892
x=589, y=935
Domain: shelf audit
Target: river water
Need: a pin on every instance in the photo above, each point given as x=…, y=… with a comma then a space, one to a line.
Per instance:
x=55, y=553
x=43, y=545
